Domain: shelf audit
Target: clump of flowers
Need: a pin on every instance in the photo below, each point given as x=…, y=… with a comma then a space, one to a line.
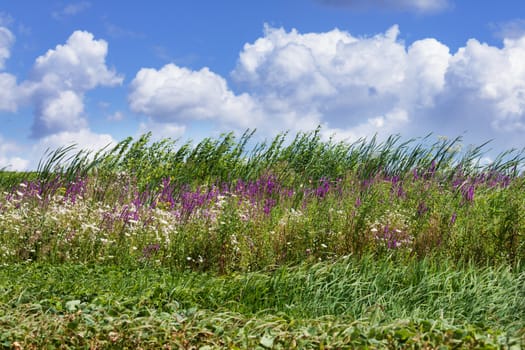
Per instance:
x=391, y=231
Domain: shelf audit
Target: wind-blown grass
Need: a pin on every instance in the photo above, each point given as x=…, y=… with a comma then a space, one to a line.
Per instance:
x=365, y=296
x=294, y=243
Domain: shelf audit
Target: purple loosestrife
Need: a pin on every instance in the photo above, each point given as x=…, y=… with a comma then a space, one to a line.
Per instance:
x=323, y=188
x=453, y=218
x=422, y=209
x=431, y=171
x=468, y=193
x=75, y=189
x=397, y=187
x=166, y=193
x=269, y=203
x=415, y=174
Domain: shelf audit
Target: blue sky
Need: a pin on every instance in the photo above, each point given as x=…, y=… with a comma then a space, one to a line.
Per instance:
x=94, y=72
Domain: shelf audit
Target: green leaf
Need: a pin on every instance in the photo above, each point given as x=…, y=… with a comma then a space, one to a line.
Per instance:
x=267, y=341
x=72, y=305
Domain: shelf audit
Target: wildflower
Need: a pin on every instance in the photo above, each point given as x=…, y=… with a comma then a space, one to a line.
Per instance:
x=469, y=194
x=453, y=219
x=422, y=209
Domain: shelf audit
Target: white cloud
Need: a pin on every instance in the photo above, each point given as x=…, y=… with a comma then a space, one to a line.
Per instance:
x=83, y=138
x=484, y=93
x=8, y=86
x=6, y=40
x=334, y=79
x=55, y=89
x=61, y=77
x=8, y=94
x=61, y=112
x=174, y=95
x=8, y=160
x=78, y=65
x=420, y=6
x=354, y=87
x=361, y=86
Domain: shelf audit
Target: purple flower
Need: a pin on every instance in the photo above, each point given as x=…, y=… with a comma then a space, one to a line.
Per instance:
x=323, y=188
x=422, y=209
x=453, y=219
x=469, y=194
x=268, y=205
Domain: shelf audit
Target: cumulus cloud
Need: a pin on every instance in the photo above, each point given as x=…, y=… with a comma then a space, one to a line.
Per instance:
x=8, y=95
x=83, y=139
x=8, y=160
x=175, y=94
x=8, y=85
x=55, y=88
x=357, y=87
x=338, y=80
x=420, y=6
x=485, y=91
x=59, y=80
x=352, y=86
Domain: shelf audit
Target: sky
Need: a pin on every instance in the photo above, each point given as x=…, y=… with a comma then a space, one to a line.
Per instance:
x=93, y=72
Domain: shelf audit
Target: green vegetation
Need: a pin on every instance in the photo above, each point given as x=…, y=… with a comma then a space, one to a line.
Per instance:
x=294, y=243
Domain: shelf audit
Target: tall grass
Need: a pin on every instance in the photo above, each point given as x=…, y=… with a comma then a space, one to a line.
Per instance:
x=220, y=207
x=292, y=242
x=306, y=156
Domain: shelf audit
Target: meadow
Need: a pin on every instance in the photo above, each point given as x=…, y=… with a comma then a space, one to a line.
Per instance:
x=289, y=243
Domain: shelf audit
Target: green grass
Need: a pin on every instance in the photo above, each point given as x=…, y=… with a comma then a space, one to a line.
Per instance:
x=347, y=302
x=291, y=243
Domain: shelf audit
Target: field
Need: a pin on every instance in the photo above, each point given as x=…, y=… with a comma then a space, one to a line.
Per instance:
x=292, y=243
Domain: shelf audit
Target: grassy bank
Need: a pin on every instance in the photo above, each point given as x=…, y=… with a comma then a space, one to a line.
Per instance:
x=350, y=302
x=288, y=243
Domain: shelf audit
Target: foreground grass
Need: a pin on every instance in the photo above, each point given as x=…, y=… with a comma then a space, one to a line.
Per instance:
x=350, y=302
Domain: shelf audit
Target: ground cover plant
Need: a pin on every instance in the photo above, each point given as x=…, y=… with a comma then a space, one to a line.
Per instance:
x=295, y=242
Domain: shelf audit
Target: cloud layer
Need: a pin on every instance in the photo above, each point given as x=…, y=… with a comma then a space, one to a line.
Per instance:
x=354, y=87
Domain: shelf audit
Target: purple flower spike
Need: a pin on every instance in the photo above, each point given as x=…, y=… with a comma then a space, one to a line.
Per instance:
x=422, y=209
x=469, y=194
x=453, y=218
